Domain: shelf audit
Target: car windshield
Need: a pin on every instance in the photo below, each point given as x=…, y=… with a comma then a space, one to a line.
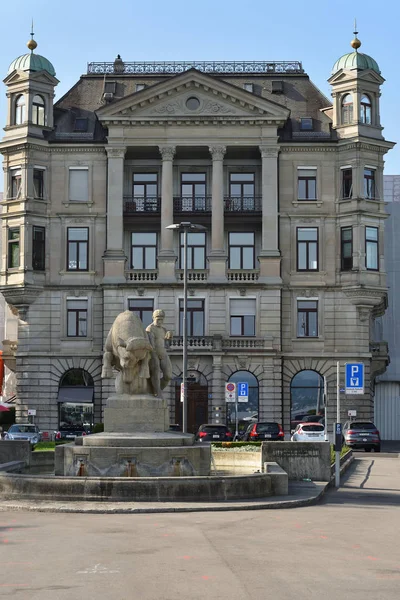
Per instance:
x=308, y=428
x=22, y=429
x=362, y=426
x=267, y=428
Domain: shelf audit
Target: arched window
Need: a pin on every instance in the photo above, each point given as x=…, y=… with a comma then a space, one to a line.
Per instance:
x=247, y=411
x=347, y=109
x=307, y=396
x=19, y=110
x=38, y=110
x=75, y=402
x=365, y=110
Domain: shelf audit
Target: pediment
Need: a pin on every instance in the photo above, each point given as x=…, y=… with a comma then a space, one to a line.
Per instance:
x=19, y=76
x=193, y=96
x=350, y=75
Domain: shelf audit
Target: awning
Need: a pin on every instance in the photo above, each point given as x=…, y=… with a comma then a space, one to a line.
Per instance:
x=75, y=394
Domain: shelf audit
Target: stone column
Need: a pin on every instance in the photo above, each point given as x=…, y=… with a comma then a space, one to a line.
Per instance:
x=114, y=257
x=166, y=255
x=270, y=255
x=217, y=256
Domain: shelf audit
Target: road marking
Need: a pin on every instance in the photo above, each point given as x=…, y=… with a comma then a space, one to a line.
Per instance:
x=97, y=569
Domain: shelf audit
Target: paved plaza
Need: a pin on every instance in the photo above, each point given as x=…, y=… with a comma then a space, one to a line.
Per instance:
x=345, y=546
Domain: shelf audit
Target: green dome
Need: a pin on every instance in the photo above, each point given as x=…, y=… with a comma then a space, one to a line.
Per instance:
x=32, y=62
x=356, y=60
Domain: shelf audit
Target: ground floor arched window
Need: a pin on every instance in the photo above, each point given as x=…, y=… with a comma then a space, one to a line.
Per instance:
x=75, y=400
x=247, y=411
x=306, y=395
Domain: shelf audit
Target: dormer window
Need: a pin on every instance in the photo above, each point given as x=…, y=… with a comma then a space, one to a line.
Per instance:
x=81, y=124
x=38, y=110
x=19, y=110
x=365, y=110
x=347, y=109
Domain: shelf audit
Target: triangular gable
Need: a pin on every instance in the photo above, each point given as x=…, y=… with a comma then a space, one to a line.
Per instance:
x=169, y=99
x=40, y=76
x=350, y=74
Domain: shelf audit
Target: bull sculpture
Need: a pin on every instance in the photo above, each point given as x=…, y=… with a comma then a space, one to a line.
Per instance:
x=128, y=350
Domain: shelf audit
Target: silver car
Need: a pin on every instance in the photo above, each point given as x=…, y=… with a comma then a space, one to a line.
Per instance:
x=24, y=431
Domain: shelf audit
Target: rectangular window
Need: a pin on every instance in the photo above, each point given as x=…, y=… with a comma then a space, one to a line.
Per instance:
x=241, y=250
x=243, y=317
x=110, y=87
x=193, y=191
x=346, y=248
x=145, y=191
x=372, y=248
x=307, y=184
x=195, y=318
x=38, y=248
x=81, y=124
x=77, y=318
x=78, y=249
x=143, y=250
x=307, y=318
x=143, y=308
x=307, y=249
x=13, y=248
x=38, y=183
x=241, y=192
x=369, y=183
x=196, y=250
x=15, y=183
x=78, y=185
x=306, y=124
x=347, y=183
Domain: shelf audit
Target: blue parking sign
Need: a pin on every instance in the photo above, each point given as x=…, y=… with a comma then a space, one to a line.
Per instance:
x=354, y=378
x=243, y=392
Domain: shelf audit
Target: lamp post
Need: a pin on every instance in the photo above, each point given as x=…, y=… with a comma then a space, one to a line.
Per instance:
x=185, y=226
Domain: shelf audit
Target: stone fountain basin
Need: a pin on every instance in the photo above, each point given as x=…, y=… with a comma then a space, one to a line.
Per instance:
x=135, y=489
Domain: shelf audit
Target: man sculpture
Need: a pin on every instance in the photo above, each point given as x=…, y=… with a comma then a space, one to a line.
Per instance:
x=159, y=361
x=138, y=355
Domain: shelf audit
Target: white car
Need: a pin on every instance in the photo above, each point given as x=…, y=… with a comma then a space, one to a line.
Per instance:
x=309, y=432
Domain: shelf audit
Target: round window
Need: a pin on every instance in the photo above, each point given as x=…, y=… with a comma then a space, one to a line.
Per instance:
x=192, y=103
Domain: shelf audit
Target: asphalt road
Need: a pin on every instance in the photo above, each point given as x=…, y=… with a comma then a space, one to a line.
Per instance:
x=346, y=547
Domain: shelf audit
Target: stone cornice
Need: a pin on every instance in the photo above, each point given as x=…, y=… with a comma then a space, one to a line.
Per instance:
x=26, y=147
x=382, y=148
x=328, y=147
x=193, y=121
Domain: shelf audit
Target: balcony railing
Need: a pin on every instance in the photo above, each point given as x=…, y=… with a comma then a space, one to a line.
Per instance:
x=141, y=275
x=193, y=275
x=251, y=343
x=140, y=204
x=218, y=343
x=245, y=204
x=243, y=275
x=194, y=343
x=192, y=204
x=219, y=67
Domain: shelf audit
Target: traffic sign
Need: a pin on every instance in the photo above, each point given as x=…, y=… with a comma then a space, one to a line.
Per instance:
x=230, y=392
x=354, y=378
x=243, y=392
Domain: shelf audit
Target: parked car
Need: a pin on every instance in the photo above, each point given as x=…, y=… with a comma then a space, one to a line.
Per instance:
x=70, y=432
x=312, y=418
x=213, y=433
x=263, y=431
x=253, y=418
x=24, y=431
x=362, y=435
x=295, y=420
x=309, y=432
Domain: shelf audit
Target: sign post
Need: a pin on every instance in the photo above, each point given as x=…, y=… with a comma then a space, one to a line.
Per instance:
x=326, y=409
x=337, y=426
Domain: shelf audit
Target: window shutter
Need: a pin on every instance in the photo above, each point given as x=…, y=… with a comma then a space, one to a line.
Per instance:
x=78, y=185
x=243, y=307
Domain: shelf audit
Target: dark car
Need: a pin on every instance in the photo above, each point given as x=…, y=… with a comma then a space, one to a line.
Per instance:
x=263, y=431
x=70, y=432
x=362, y=435
x=213, y=433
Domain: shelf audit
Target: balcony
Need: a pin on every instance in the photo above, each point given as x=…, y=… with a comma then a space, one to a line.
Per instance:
x=193, y=275
x=243, y=205
x=141, y=204
x=193, y=343
x=380, y=357
x=187, y=205
x=242, y=275
x=217, y=343
x=136, y=275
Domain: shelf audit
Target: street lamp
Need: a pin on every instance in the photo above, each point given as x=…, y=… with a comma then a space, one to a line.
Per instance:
x=185, y=226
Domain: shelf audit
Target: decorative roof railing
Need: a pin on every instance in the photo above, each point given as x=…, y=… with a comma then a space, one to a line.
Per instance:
x=256, y=67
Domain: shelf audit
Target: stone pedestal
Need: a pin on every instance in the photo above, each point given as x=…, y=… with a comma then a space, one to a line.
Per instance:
x=126, y=414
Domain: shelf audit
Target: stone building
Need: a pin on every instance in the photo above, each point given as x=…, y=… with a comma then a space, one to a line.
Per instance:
x=285, y=280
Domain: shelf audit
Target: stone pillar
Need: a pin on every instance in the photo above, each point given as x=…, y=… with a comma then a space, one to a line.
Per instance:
x=270, y=255
x=114, y=257
x=166, y=256
x=356, y=94
x=217, y=256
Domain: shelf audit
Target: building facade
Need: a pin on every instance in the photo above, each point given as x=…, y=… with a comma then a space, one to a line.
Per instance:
x=285, y=280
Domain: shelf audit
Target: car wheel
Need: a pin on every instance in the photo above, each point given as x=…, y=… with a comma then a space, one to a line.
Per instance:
x=368, y=449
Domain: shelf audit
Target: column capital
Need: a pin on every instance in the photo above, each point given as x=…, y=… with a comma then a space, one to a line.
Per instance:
x=217, y=152
x=269, y=151
x=167, y=152
x=115, y=151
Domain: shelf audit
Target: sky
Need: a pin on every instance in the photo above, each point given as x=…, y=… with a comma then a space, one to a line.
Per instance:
x=316, y=32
